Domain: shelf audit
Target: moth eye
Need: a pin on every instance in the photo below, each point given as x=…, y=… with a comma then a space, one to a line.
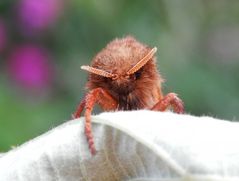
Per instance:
x=107, y=79
x=137, y=75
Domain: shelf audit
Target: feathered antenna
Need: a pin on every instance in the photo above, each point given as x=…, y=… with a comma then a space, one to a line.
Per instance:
x=97, y=71
x=142, y=62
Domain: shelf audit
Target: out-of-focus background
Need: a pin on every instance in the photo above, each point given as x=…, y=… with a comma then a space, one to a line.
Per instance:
x=43, y=43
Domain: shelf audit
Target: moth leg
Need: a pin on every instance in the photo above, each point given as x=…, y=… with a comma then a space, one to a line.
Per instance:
x=102, y=97
x=79, y=109
x=172, y=100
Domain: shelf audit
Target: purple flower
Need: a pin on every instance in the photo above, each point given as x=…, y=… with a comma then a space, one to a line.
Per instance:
x=30, y=67
x=3, y=35
x=38, y=14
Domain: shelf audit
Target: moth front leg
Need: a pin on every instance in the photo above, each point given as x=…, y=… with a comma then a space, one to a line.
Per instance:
x=79, y=109
x=105, y=100
x=172, y=100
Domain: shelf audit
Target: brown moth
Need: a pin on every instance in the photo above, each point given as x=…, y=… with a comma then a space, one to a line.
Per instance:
x=124, y=76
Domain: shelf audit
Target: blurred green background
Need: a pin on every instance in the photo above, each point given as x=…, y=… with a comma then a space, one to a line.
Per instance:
x=43, y=43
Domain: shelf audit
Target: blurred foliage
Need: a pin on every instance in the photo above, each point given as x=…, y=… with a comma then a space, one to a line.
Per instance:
x=198, y=55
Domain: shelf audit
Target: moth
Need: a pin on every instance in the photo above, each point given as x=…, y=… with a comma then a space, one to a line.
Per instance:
x=124, y=76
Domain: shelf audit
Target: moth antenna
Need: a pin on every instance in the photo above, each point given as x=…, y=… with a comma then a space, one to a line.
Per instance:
x=142, y=62
x=97, y=71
